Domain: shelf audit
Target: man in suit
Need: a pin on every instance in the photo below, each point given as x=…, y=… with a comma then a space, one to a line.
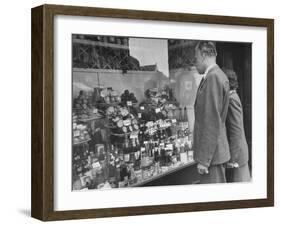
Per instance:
x=211, y=148
x=237, y=168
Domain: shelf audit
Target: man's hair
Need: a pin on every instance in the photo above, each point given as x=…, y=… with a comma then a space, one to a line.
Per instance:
x=232, y=77
x=207, y=47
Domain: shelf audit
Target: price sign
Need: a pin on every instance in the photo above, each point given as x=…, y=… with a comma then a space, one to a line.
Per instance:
x=129, y=103
x=96, y=165
x=139, y=115
x=157, y=110
x=95, y=111
x=170, y=146
x=133, y=135
x=127, y=122
x=174, y=120
x=142, y=107
x=127, y=157
x=76, y=133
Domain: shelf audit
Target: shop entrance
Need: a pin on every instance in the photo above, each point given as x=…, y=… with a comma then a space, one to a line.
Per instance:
x=238, y=57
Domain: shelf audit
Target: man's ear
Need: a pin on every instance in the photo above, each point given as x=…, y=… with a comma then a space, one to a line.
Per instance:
x=203, y=55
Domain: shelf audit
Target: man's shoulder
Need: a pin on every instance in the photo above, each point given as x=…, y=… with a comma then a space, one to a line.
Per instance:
x=216, y=77
x=217, y=73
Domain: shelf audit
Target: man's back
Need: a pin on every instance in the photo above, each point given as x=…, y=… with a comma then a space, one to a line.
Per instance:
x=211, y=105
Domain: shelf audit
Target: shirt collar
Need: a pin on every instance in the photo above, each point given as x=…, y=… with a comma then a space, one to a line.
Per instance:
x=208, y=69
x=232, y=91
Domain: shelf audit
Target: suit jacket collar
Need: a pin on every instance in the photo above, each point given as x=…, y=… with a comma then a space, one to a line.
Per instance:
x=207, y=72
x=209, y=69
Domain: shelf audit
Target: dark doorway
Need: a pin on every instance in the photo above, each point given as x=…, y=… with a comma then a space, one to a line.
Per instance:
x=238, y=56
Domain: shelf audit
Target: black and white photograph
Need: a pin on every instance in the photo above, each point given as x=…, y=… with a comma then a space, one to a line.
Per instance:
x=139, y=112
x=160, y=112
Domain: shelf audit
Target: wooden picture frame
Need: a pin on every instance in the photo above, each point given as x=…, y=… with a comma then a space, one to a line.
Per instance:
x=43, y=112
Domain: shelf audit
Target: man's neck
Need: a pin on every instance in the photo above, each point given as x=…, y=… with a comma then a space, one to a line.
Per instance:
x=209, y=65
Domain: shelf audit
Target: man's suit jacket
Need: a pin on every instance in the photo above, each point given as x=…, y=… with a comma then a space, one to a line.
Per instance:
x=235, y=131
x=210, y=108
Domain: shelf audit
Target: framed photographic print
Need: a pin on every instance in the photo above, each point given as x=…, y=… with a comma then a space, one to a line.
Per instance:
x=141, y=112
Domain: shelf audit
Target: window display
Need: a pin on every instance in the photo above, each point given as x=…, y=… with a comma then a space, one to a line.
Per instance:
x=135, y=142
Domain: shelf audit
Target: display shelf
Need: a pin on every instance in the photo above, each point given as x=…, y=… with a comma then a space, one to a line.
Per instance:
x=90, y=119
x=108, y=104
x=164, y=128
x=89, y=108
x=117, y=103
x=124, y=134
x=175, y=169
x=81, y=142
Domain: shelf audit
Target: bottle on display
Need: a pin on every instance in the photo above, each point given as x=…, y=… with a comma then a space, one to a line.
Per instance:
x=123, y=172
x=137, y=141
x=185, y=115
x=133, y=150
x=179, y=129
x=165, y=134
x=156, y=136
x=133, y=141
x=185, y=123
x=139, y=115
x=137, y=157
x=126, y=142
x=173, y=113
x=180, y=115
x=151, y=150
x=162, y=154
x=141, y=131
x=126, y=151
x=161, y=137
x=156, y=153
x=183, y=154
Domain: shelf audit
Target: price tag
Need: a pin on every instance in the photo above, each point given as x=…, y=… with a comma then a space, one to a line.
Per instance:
x=137, y=154
x=174, y=120
x=127, y=122
x=190, y=153
x=183, y=157
x=129, y=103
x=127, y=157
x=95, y=111
x=133, y=135
x=170, y=146
x=76, y=133
x=139, y=115
x=167, y=124
x=157, y=110
x=142, y=107
x=149, y=124
x=96, y=165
